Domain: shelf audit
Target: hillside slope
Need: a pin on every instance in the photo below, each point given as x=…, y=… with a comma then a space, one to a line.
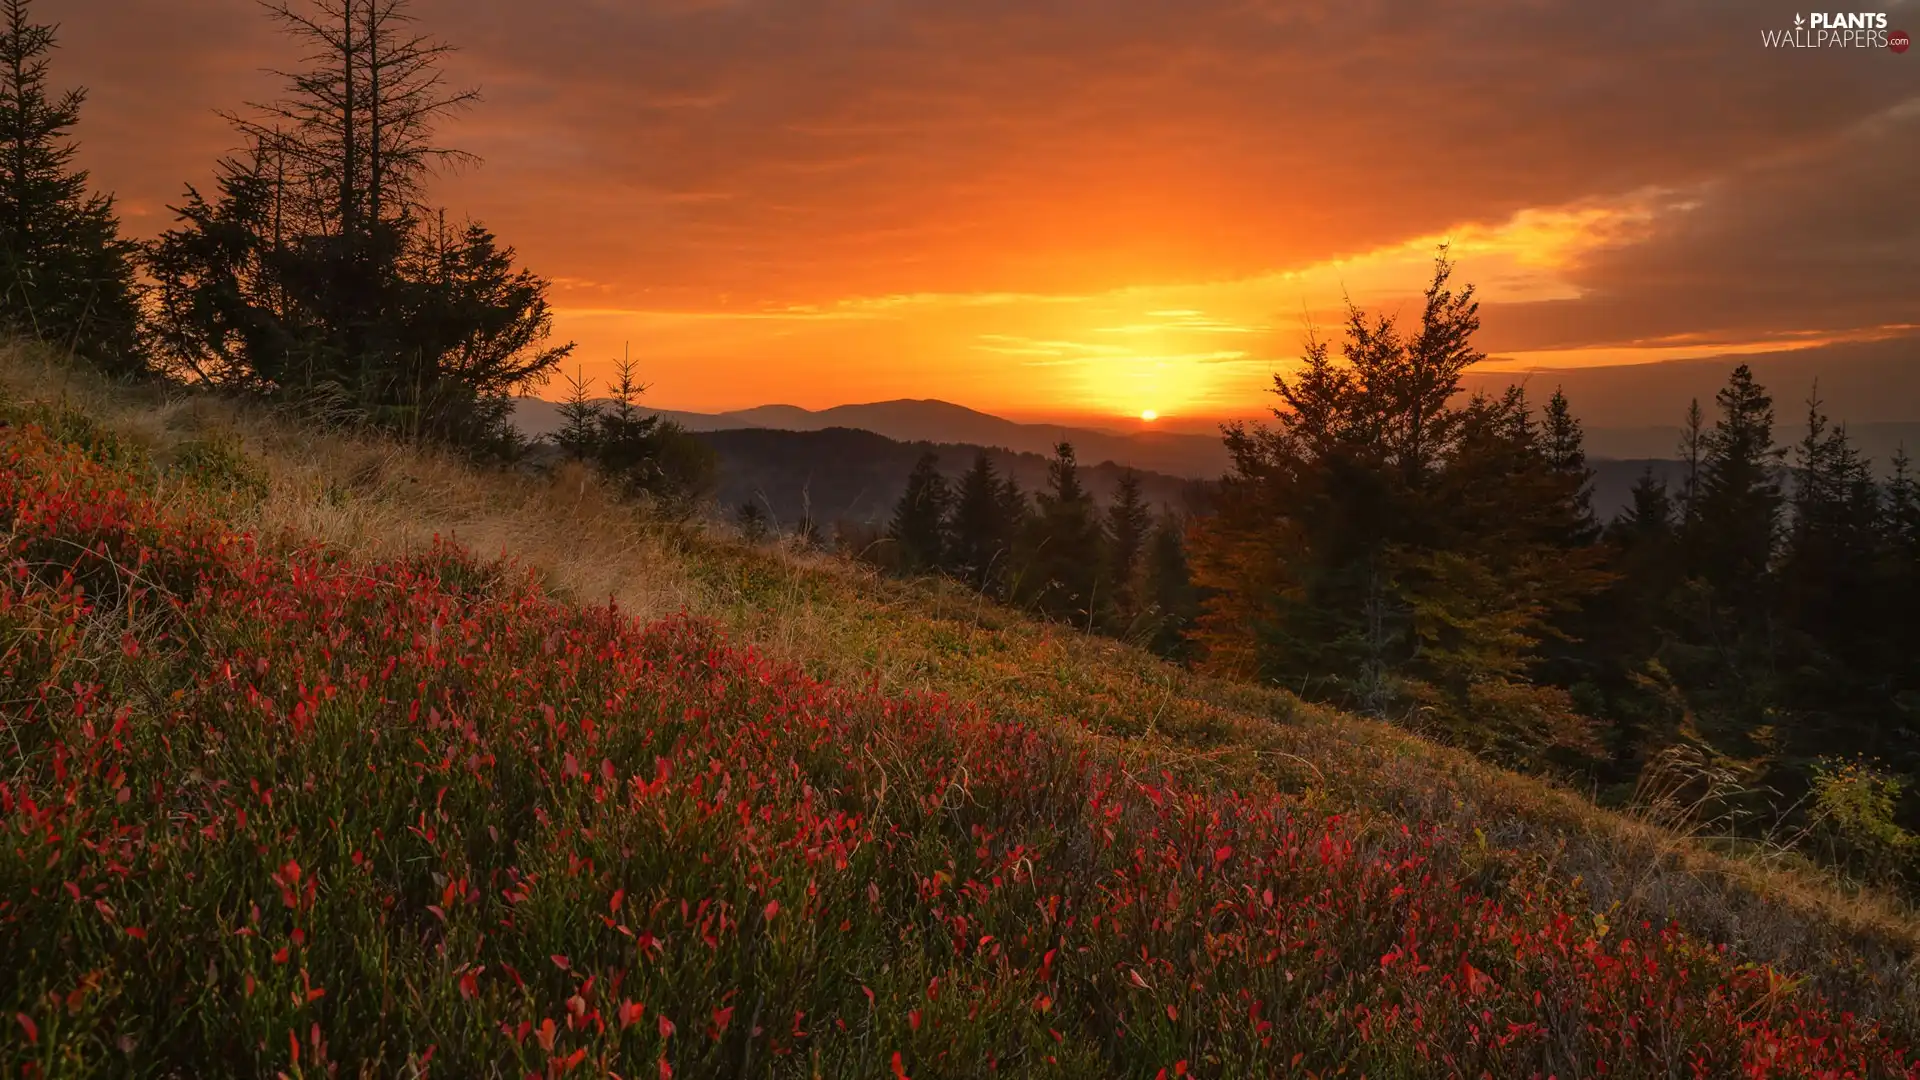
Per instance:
x=494, y=828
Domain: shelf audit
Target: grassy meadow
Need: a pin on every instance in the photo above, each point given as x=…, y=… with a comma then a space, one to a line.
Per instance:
x=326, y=755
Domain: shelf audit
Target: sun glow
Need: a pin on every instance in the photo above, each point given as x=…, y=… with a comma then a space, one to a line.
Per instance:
x=1149, y=415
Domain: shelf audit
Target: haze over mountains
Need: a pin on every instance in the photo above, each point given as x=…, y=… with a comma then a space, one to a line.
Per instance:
x=1635, y=410
x=1186, y=455
x=1632, y=414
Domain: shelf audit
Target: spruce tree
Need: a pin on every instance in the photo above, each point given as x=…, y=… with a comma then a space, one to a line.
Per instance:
x=979, y=532
x=66, y=275
x=1739, y=497
x=1564, y=443
x=1827, y=570
x=919, y=518
x=626, y=443
x=580, y=416
x=316, y=271
x=1170, y=593
x=1066, y=547
x=1128, y=523
x=1648, y=516
x=1693, y=442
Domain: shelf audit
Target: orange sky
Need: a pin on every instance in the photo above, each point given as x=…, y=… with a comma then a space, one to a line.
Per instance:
x=1087, y=209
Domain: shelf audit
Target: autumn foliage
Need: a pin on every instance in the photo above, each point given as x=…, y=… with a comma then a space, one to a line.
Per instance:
x=267, y=810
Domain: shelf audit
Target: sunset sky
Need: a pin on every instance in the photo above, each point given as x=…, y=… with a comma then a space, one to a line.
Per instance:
x=1089, y=209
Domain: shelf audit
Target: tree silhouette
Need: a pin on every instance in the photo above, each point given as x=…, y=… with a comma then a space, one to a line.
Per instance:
x=315, y=269
x=980, y=536
x=1739, y=497
x=1063, y=564
x=1128, y=522
x=919, y=518
x=1170, y=594
x=66, y=275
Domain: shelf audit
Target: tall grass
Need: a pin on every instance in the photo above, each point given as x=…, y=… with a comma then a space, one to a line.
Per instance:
x=269, y=738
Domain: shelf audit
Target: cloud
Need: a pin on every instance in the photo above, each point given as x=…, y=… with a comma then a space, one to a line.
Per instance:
x=1819, y=241
x=907, y=175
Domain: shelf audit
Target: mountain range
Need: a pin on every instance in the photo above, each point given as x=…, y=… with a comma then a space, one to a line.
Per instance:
x=1176, y=454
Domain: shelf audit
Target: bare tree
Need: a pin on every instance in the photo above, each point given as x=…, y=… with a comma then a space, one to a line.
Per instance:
x=355, y=131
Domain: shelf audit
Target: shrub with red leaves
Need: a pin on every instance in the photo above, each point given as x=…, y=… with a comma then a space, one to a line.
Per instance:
x=291, y=814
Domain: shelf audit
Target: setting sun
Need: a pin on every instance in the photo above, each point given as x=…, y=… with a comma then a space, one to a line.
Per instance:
x=1149, y=415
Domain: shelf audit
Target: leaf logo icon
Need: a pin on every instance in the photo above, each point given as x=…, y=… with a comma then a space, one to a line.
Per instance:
x=1798, y=21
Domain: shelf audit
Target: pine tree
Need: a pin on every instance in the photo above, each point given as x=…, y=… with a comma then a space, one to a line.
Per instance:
x=1065, y=549
x=1739, y=497
x=1693, y=441
x=1649, y=517
x=66, y=275
x=1170, y=593
x=980, y=536
x=315, y=270
x=1897, y=587
x=627, y=440
x=580, y=417
x=1128, y=524
x=919, y=518
x=1900, y=520
x=1828, y=568
x=1392, y=549
x=1564, y=444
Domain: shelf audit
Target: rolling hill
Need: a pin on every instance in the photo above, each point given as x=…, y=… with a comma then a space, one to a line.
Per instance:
x=328, y=753
x=1188, y=456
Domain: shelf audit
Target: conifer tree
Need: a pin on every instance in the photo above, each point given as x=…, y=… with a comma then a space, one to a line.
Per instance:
x=316, y=271
x=919, y=518
x=1739, y=499
x=580, y=416
x=1128, y=525
x=66, y=275
x=1648, y=517
x=1828, y=579
x=1065, y=549
x=1693, y=441
x=626, y=444
x=979, y=533
x=1564, y=444
x=1170, y=593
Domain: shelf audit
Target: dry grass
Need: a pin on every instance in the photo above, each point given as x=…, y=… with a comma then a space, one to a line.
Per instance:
x=371, y=497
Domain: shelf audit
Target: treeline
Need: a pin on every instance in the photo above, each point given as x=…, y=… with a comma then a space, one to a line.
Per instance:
x=1395, y=550
x=315, y=272
x=1119, y=569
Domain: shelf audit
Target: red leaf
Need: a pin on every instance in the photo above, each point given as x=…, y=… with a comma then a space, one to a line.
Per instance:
x=33, y=1030
x=666, y=1028
x=773, y=908
x=631, y=1013
x=561, y=962
x=899, y=1070
x=721, y=1018
x=913, y=1019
